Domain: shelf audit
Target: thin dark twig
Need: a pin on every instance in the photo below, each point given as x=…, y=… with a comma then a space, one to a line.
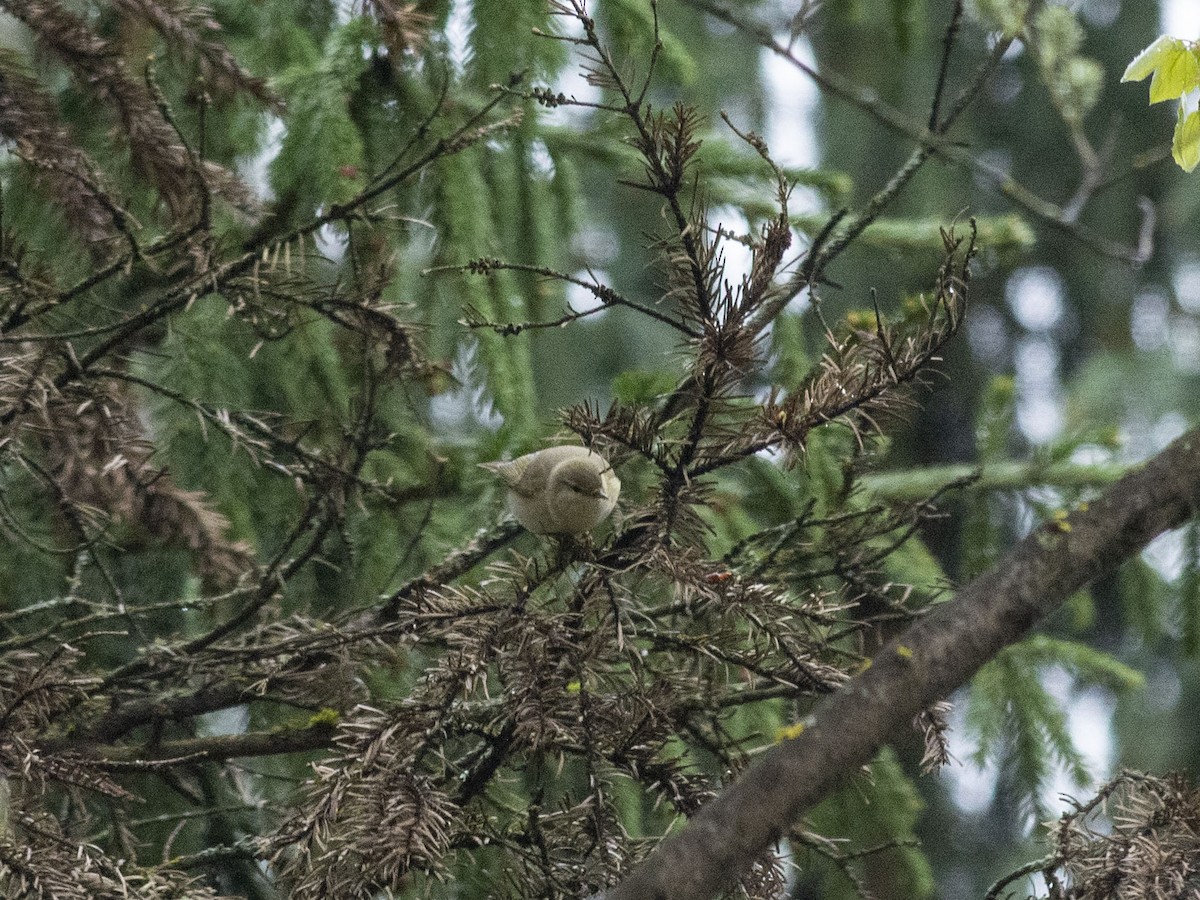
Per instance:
x=944, y=67
x=607, y=296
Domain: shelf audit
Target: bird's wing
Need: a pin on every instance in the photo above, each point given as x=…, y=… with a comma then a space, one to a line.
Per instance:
x=509, y=471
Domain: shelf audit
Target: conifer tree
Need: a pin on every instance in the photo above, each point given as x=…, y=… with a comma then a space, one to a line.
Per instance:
x=275, y=277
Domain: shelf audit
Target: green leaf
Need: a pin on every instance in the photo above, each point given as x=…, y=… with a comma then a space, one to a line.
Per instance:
x=1186, y=145
x=1174, y=65
x=1180, y=74
x=1154, y=56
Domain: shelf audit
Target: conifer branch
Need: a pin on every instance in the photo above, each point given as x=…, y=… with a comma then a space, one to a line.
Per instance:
x=924, y=664
x=607, y=296
x=189, y=751
x=916, y=484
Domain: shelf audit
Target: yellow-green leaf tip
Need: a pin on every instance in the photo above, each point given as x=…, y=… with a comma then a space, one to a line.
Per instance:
x=324, y=716
x=1174, y=65
x=1151, y=58
x=789, y=732
x=1186, y=145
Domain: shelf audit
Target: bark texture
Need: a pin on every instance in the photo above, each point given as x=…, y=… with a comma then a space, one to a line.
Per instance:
x=928, y=661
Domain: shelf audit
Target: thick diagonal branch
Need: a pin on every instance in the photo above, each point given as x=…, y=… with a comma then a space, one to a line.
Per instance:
x=928, y=661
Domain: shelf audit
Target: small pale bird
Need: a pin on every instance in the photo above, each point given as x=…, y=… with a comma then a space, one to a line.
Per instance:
x=559, y=490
